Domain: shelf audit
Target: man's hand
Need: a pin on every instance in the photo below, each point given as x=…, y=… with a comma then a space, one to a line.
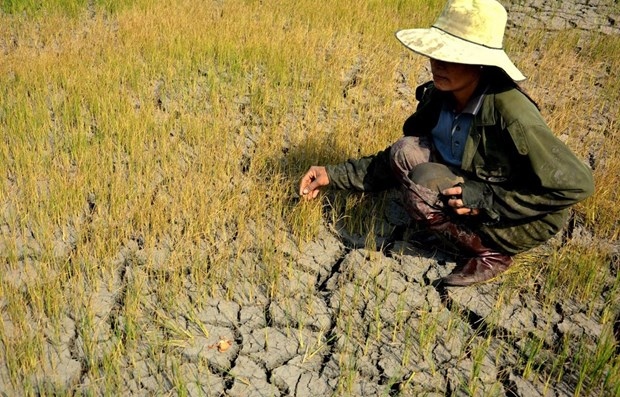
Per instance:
x=455, y=201
x=312, y=181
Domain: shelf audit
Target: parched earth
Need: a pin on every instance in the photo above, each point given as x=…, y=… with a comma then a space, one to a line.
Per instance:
x=587, y=15
x=351, y=320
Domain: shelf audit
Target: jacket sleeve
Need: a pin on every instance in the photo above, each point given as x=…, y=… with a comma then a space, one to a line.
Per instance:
x=372, y=173
x=550, y=177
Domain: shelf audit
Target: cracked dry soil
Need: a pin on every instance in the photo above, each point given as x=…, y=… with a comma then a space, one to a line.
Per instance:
x=365, y=321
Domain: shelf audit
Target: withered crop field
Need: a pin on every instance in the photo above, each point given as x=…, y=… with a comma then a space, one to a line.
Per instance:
x=152, y=241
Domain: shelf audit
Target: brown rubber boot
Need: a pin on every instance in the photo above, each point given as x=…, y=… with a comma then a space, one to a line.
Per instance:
x=423, y=203
x=484, y=264
x=478, y=269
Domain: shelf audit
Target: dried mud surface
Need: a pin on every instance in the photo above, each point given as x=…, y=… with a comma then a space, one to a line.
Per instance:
x=350, y=318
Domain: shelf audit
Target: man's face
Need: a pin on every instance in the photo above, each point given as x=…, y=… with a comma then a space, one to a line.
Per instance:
x=454, y=77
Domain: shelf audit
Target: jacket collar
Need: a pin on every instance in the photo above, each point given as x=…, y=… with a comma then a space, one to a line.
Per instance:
x=486, y=115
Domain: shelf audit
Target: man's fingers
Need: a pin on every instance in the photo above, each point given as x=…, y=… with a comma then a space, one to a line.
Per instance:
x=315, y=178
x=306, y=181
x=309, y=193
x=455, y=203
x=312, y=186
x=467, y=211
x=308, y=186
x=305, y=188
x=453, y=191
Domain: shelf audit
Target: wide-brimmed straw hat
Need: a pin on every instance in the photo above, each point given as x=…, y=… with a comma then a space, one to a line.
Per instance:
x=467, y=31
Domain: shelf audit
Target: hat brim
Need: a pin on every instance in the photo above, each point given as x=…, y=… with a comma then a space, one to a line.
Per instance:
x=437, y=44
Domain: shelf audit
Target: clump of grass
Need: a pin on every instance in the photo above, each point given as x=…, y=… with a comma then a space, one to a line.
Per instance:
x=67, y=7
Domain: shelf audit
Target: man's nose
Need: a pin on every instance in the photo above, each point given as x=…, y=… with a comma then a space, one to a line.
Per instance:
x=438, y=64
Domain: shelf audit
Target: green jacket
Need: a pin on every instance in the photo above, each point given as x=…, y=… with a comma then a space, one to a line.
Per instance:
x=521, y=176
